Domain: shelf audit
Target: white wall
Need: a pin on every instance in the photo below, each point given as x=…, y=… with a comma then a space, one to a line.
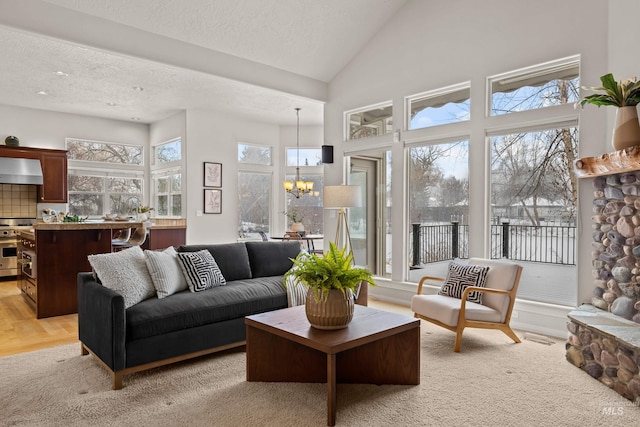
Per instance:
x=46, y=129
x=213, y=137
x=429, y=45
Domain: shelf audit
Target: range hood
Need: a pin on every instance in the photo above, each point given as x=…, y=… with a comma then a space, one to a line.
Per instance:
x=20, y=171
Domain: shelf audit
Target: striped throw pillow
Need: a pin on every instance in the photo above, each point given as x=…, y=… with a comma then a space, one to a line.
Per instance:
x=200, y=270
x=460, y=277
x=165, y=271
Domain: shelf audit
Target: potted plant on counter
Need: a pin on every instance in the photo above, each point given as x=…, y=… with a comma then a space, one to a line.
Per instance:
x=332, y=282
x=624, y=94
x=142, y=212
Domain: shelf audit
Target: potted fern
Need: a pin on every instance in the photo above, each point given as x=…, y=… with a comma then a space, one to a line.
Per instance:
x=332, y=281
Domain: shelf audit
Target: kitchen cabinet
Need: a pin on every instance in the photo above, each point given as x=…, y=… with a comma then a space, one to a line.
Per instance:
x=54, y=170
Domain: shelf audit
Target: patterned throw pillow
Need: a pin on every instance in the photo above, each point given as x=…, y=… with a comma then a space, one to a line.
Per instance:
x=460, y=277
x=165, y=271
x=200, y=270
x=126, y=273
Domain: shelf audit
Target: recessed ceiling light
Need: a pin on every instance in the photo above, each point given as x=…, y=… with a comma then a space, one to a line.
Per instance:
x=137, y=119
x=61, y=73
x=42, y=92
x=138, y=88
x=111, y=104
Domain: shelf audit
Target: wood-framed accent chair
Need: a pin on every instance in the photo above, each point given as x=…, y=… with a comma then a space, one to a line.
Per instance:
x=499, y=295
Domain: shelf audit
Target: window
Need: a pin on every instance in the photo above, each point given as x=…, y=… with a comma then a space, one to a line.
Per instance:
x=438, y=201
x=545, y=85
x=167, y=152
x=104, y=152
x=307, y=157
x=448, y=105
x=94, y=195
x=167, y=192
x=104, y=177
x=371, y=121
x=166, y=178
x=254, y=203
x=254, y=154
x=308, y=206
x=533, y=204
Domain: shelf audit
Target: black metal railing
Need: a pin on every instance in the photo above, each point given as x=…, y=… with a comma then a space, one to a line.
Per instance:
x=552, y=244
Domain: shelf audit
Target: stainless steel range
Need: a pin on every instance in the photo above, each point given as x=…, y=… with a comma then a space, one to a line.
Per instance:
x=9, y=229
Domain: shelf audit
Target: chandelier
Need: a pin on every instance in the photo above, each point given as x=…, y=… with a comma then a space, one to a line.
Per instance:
x=298, y=187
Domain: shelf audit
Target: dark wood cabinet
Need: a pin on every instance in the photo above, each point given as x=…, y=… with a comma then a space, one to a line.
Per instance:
x=54, y=170
x=61, y=255
x=162, y=238
x=54, y=177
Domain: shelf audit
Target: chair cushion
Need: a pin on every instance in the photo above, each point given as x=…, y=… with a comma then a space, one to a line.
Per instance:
x=462, y=276
x=447, y=309
x=502, y=275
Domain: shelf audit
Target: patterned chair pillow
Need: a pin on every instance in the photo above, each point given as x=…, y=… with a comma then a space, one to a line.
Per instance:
x=460, y=277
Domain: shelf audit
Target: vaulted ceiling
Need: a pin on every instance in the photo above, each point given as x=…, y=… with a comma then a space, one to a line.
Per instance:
x=149, y=59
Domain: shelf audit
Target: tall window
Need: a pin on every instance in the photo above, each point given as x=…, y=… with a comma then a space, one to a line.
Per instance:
x=255, y=183
x=166, y=178
x=104, y=177
x=438, y=201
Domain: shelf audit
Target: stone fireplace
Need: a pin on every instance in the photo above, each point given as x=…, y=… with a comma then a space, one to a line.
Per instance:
x=604, y=336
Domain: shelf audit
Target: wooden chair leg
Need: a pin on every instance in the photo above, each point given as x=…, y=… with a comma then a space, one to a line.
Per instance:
x=509, y=332
x=456, y=345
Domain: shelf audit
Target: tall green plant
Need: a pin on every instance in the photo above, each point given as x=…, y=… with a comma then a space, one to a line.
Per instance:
x=333, y=270
x=618, y=94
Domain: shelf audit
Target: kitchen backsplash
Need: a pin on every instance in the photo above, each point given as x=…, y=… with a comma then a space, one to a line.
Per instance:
x=18, y=201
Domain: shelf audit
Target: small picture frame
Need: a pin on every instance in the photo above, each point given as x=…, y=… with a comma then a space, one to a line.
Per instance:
x=212, y=174
x=212, y=201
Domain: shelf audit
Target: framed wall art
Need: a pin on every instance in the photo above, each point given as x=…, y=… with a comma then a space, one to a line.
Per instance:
x=212, y=174
x=212, y=201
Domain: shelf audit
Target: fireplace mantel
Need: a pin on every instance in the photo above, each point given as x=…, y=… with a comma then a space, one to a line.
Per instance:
x=621, y=161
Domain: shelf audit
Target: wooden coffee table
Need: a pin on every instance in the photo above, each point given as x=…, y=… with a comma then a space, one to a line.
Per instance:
x=378, y=347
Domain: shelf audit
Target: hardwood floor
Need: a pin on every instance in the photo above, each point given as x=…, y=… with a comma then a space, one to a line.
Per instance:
x=21, y=332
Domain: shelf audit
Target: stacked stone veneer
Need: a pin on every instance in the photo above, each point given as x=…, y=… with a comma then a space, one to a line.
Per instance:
x=605, y=341
x=616, y=244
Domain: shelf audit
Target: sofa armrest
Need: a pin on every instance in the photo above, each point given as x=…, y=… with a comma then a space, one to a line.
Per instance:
x=101, y=321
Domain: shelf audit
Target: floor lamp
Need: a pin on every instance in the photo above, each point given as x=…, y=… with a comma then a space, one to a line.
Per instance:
x=342, y=197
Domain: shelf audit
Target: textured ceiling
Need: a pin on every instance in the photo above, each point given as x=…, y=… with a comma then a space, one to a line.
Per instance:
x=256, y=58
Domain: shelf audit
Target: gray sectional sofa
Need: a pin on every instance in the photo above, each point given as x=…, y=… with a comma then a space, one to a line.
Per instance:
x=187, y=324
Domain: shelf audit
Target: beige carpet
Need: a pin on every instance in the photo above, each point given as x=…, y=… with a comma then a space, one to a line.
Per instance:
x=492, y=382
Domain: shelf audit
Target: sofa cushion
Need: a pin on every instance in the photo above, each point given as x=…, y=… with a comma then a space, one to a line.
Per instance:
x=271, y=258
x=200, y=270
x=232, y=259
x=126, y=273
x=186, y=309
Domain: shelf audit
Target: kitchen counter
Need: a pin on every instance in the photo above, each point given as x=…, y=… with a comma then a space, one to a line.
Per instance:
x=87, y=225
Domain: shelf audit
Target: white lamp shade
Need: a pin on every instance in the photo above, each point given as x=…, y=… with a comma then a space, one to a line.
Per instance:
x=342, y=196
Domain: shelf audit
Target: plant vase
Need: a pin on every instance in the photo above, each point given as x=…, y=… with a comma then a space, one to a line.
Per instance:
x=330, y=309
x=143, y=216
x=626, y=131
x=297, y=227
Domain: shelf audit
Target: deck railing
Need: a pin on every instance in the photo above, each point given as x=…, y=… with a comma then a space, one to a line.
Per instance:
x=552, y=244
